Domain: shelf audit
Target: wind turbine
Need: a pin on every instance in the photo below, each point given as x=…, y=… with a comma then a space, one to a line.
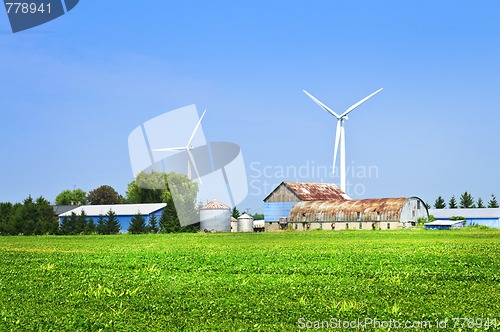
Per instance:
x=188, y=149
x=340, y=135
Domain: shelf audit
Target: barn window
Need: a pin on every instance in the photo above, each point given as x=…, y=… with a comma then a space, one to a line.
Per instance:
x=360, y=225
x=388, y=225
x=333, y=225
x=418, y=205
x=346, y=225
x=358, y=215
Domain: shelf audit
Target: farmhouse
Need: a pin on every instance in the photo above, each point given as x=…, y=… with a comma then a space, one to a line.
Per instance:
x=279, y=202
x=375, y=213
x=124, y=212
x=487, y=217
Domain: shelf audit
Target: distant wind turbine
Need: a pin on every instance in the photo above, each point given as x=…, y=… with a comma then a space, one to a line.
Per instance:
x=188, y=149
x=340, y=136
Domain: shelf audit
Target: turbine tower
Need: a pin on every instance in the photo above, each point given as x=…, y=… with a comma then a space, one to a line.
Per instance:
x=340, y=134
x=188, y=149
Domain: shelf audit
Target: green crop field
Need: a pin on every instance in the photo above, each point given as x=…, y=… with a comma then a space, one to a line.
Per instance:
x=259, y=281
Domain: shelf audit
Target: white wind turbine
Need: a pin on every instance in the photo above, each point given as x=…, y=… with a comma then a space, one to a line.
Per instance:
x=340, y=136
x=188, y=149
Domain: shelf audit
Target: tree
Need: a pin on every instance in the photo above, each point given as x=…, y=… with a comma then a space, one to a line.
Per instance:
x=156, y=187
x=90, y=227
x=69, y=225
x=101, y=225
x=493, y=202
x=452, y=203
x=480, y=204
x=103, y=195
x=34, y=217
x=147, y=188
x=466, y=201
x=153, y=224
x=235, y=213
x=72, y=197
x=112, y=223
x=168, y=220
x=439, y=203
x=258, y=216
x=427, y=205
x=137, y=224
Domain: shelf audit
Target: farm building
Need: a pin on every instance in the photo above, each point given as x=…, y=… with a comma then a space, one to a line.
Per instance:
x=375, y=213
x=124, y=212
x=215, y=217
x=444, y=224
x=487, y=217
x=279, y=202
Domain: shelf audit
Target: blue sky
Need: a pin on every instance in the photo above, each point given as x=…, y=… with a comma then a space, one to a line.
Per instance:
x=72, y=90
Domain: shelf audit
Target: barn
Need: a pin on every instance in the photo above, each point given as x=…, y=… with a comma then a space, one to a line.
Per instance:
x=487, y=217
x=367, y=214
x=124, y=212
x=279, y=202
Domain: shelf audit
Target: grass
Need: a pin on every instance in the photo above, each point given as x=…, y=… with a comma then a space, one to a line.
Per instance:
x=242, y=282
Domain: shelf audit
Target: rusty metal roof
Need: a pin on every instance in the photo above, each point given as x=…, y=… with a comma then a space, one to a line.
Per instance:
x=349, y=210
x=310, y=191
x=215, y=205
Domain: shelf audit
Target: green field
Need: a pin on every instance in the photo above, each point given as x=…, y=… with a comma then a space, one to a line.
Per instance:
x=257, y=281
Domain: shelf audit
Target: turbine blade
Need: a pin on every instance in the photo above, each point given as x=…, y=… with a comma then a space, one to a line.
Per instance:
x=337, y=138
x=179, y=148
x=194, y=165
x=360, y=102
x=195, y=129
x=323, y=106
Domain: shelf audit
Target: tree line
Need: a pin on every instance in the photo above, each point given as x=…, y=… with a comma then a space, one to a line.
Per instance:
x=37, y=217
x=466, y=202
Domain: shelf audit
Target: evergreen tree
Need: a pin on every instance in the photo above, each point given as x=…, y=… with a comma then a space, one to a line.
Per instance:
x=65, y=226
x=466, y=201
x=81, y=222
x=112, y=223
x=137, y=224
x=480, y=204
x=101, y=225
x=427, y=205
x=493, y=202
x=90, y=227
x=168, y=220
x=439, y=203
x=153, y=224
x=235, y=213
x=452, y=203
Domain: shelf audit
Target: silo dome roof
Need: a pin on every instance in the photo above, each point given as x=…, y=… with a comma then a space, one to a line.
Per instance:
x=215, y=205
x=245, y=216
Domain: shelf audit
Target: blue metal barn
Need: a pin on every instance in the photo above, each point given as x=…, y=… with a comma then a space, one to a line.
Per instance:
x=124, y=212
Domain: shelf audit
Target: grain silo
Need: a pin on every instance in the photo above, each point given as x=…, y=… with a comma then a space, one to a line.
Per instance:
x=245, y=223
x=215, y=216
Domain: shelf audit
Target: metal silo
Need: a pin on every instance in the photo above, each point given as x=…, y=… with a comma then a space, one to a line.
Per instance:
x=245, y=223
x=215, y=216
